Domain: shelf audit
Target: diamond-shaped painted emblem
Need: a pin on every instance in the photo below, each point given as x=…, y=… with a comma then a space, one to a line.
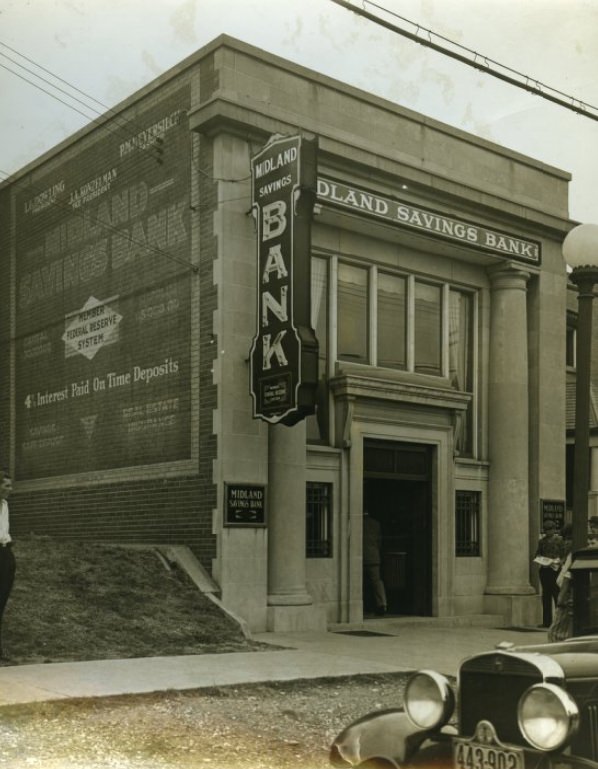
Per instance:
x=92, y=327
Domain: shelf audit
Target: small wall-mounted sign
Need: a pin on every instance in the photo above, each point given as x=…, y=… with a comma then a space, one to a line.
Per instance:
x=244, y=504
x=552, y=510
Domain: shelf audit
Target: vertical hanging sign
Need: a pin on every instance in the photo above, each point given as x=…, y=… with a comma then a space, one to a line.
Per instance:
x=284, y=353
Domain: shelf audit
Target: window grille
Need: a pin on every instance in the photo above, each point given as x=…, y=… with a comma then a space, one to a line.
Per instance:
x=319, y=520
x=467, y=524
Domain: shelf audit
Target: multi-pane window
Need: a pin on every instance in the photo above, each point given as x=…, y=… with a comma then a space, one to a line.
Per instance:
x=467, y=523
x=318, y=529
x=402, y=322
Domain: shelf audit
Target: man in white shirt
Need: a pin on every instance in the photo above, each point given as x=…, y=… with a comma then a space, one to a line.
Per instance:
x=7, y=558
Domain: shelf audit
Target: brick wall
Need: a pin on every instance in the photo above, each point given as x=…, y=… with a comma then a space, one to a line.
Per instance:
x=158, y=511
x=160, y=508
x=5, y=342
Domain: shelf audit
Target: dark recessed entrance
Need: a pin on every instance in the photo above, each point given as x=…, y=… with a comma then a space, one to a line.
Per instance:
x=397, y=490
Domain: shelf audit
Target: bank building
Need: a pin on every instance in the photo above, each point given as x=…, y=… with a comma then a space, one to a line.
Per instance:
x=251, y=302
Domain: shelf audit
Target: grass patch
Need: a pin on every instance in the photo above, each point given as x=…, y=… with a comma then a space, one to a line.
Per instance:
x=77, y=601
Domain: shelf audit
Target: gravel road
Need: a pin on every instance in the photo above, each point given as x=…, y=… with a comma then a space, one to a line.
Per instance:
x=286, y=725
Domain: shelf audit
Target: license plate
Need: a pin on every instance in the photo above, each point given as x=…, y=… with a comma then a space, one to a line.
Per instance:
x=484, y=751
x=472, y=755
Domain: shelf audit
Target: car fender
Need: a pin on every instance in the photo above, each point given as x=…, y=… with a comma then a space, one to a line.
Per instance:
x=386, y=737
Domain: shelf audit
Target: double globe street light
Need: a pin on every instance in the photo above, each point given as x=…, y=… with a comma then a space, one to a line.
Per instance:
x=580, y=251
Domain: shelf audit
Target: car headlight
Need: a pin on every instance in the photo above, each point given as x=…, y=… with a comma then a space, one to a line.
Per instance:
x=548, y=716
x=429, y=699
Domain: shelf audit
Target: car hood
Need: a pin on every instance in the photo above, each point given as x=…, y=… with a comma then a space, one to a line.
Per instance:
x=576, y=656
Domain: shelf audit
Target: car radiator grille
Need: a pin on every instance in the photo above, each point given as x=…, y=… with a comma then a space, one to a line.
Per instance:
x=490, y=688
x=585, y=741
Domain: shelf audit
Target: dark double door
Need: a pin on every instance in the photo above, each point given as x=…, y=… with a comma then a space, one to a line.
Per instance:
x=397, y=492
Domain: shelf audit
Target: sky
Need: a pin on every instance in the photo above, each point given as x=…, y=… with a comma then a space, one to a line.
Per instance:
x=109, y=48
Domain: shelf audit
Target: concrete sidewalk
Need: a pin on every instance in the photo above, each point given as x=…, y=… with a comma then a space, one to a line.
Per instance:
x=376, y=646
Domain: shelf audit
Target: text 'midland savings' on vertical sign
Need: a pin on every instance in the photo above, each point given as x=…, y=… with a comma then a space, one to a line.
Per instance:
x=284, y=353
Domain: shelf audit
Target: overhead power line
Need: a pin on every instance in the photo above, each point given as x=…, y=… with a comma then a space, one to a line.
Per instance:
x=427, y=37
x=116, y=126
x=110, y=116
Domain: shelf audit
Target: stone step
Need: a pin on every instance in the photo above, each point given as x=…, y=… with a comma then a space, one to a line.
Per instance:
x=392, y=624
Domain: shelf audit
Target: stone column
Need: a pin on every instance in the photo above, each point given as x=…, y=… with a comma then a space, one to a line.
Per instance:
x=289, y=603
x=508, y=589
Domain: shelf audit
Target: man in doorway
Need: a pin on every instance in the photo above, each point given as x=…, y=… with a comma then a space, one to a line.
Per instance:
x=372, y=541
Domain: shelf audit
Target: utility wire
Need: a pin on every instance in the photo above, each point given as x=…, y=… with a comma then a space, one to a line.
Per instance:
x=125, y=123
x=53, y=85
x=104, y=126
x=57, y=77
x=109, y=111
x=474, y=59
x=35, y=85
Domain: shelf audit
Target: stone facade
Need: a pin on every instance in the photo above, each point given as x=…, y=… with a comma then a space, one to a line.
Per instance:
x=439, y=299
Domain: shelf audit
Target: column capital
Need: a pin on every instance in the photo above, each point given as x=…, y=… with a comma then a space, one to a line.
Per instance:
x=508, y=275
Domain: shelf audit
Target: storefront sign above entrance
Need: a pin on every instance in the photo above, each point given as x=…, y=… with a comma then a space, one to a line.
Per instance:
x=284, y=353
x=429, y=222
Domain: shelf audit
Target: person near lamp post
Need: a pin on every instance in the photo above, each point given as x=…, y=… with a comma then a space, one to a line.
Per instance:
x=7, y=558
x=549, y=555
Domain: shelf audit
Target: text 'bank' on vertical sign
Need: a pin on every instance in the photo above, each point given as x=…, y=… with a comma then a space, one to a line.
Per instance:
x=284, y=352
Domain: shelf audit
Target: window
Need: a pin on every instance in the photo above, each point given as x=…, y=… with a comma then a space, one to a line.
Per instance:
x=418, y=326
x=467, y=523
x=391, y=321
x=318, y=530
x=461, y=364
x=401, y=322
x=316, y=424
x=352, y=313
x=319, y=309
x=428, y=329
x=571, y=339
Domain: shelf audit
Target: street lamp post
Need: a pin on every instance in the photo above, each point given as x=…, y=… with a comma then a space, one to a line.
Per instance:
x=580, y=250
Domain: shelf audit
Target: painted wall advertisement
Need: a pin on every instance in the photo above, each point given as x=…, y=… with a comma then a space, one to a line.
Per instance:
x=103, y=251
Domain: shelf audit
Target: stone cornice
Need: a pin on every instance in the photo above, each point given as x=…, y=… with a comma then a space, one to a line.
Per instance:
x=351, y=386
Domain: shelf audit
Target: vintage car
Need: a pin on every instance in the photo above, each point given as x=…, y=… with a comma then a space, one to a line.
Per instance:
x=527, y=707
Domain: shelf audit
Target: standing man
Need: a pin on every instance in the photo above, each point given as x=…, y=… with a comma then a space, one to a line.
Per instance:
x=7, y=559
x=372, y=541
x=549, y=555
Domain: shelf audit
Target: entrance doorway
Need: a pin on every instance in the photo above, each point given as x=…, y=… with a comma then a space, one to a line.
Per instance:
x=397, y=491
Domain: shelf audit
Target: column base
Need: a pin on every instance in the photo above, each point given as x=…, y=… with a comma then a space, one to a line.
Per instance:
x=287, y=619
x=298, y=598
x=517, y=610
